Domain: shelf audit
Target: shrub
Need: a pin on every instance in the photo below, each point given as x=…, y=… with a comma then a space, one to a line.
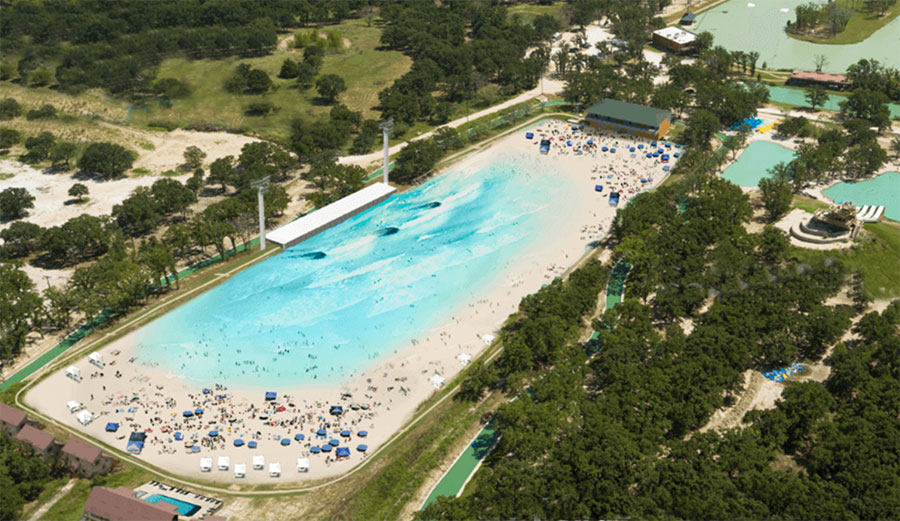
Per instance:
x=9, y=109
x=46, y=111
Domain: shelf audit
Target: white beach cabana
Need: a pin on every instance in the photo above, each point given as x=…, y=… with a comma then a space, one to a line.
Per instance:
x=205, y=464
x=464, y=358
x=74, y=373
x=259, y=462
x=274, y=470
x=74, y=406
x=302, y=465
x=84, y=417
x=96, y=359
x=437, y=381
x=488, y=339
x=224, y=463
x=240, y=470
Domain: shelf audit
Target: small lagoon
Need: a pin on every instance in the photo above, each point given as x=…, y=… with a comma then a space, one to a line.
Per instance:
x=754, y=163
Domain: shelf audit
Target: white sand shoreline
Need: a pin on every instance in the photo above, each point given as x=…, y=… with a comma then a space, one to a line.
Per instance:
x=393, y=387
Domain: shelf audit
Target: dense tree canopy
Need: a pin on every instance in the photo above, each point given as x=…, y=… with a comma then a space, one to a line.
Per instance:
x=106, y=160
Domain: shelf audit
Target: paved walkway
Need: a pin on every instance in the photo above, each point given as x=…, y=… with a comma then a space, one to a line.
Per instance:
x=56, y=497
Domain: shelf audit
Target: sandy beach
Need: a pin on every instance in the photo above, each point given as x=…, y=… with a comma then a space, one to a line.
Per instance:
x=377, y=400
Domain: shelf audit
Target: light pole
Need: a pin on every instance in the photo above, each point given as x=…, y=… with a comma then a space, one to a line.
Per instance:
x=386, y=128
x=262, y=186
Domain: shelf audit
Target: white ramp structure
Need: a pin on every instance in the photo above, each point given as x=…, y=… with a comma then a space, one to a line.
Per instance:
x=305, y=227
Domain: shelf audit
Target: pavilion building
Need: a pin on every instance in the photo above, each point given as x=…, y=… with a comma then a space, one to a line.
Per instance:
x=629, y=118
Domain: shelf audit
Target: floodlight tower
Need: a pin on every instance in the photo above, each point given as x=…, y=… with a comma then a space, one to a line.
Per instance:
x=386, y=128
x=262, y=186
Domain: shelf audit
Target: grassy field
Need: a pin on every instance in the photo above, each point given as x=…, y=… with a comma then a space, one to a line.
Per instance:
x=365, y=70
x=861, y=26
x=875, y=255
x=528, y=11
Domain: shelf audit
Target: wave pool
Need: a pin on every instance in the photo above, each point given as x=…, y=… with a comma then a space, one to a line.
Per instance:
x=330, y=306
x=755, y=161
x=883, y=190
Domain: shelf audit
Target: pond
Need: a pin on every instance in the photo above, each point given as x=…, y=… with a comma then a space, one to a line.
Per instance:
x=739, y=27
x=798, y=97
x=883, y=190
x=754, y=163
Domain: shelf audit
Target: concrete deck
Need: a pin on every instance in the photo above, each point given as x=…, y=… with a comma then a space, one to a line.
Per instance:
x=305, y=227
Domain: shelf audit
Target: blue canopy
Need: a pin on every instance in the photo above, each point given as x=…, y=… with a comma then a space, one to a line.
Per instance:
x=665, y=157
x=188, y=414
x=326, y=448
x=179, y=436
x=362, y=434
x=315, y=450
x=343, y=452
x=270, y=395
x=666, y=168
x=334, y=443
x=251, y=444
x=299, y=437
x=321, y=432
x=598, y=188
x=238, y=442
x=213, y=434
x=198, y=411
x=355, y=407
x=112, y=427
x=135, y=446
x=206, y=391
x=529, y=135
x=362, y=448
x=336, y=410
x=195, y=448
x=345, y=433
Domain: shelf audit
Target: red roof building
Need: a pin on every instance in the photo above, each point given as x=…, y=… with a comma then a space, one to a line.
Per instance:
x=86, y=459
x=40, y=440
x=106, y=504
x=11, y=418
x=831, y=81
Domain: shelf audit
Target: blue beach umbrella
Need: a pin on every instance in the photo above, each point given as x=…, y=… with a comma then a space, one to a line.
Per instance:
x=238, y=442
x=299, y=437
x=641, y=146
x=179, y=436
x=213, y=434
x=326, y=448
x=207, y=391
x=613, y=150
x=362, y=434
x=649, y=154
x=285, y=442
x=631, y=149
x=195, y=449
x=345, y=433
x=334, y=443
x=252, y=444
x=362, y=448
x=668, y=145
x=666, y=168
x=653, y=144
x=188, y=414
x=321, y=432
x=677, y=155
x=604, y=149
x=315, y=450
x=198, y=412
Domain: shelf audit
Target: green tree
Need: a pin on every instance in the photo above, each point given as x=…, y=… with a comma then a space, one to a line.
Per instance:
x=106, y=160
x=221, y=172
x=864, y=159
x=170, y=196
x=18, y=303
x=21, y=238
x=701, y=126
x=63, y=152
x=9, y=137
x=289, y=69
x=78, y=191
x=869, y=105
x=138, y=214
x=330, y=86
x=171, y=88
x=41, y=78
x=776, y=196
x=178, y=238
x=159, y=260
x=193, y=157
x=9, y=109
x=792, y=126
x=60, y=304
x=415, y=159
x=7, y=71
x=195, y=183
x=815, y=96
x=258, y=81
x=14, y=202
x=46, y=111
x=38, y=147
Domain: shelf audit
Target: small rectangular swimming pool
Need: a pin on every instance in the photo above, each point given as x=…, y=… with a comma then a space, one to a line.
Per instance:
x=182, y=507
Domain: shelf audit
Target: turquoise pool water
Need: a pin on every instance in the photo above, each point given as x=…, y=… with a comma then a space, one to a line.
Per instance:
x=736, y=26
x=331, y=305
x=798, y=97
x=883, y=190
x=754, y=163
x=183, y=507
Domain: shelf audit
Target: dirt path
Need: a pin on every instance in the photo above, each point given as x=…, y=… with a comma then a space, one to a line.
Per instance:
x=725, y=419
x=59, y=495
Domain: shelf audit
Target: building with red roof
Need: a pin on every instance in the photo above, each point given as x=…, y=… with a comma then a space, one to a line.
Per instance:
x=106, y=504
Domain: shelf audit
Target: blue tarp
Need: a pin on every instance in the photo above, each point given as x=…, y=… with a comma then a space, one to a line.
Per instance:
x=343, y=452
x=285, y=441
x=179, y=436
x=112, y=427
x=238, y=442
x=315, y=450
x=270, y=395
x=362, y=448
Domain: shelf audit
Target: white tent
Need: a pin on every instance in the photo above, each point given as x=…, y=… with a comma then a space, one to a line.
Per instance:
x=464, y=358
x=224, y=462
x=488, y=339
x=205, y=464
x=437, y=381
x=274, y=469
x=74, y=373
x=302, y=465
x=74, y=406
x=84, y=417
x=96, y=359
x=259, y=462
x=240, y=470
